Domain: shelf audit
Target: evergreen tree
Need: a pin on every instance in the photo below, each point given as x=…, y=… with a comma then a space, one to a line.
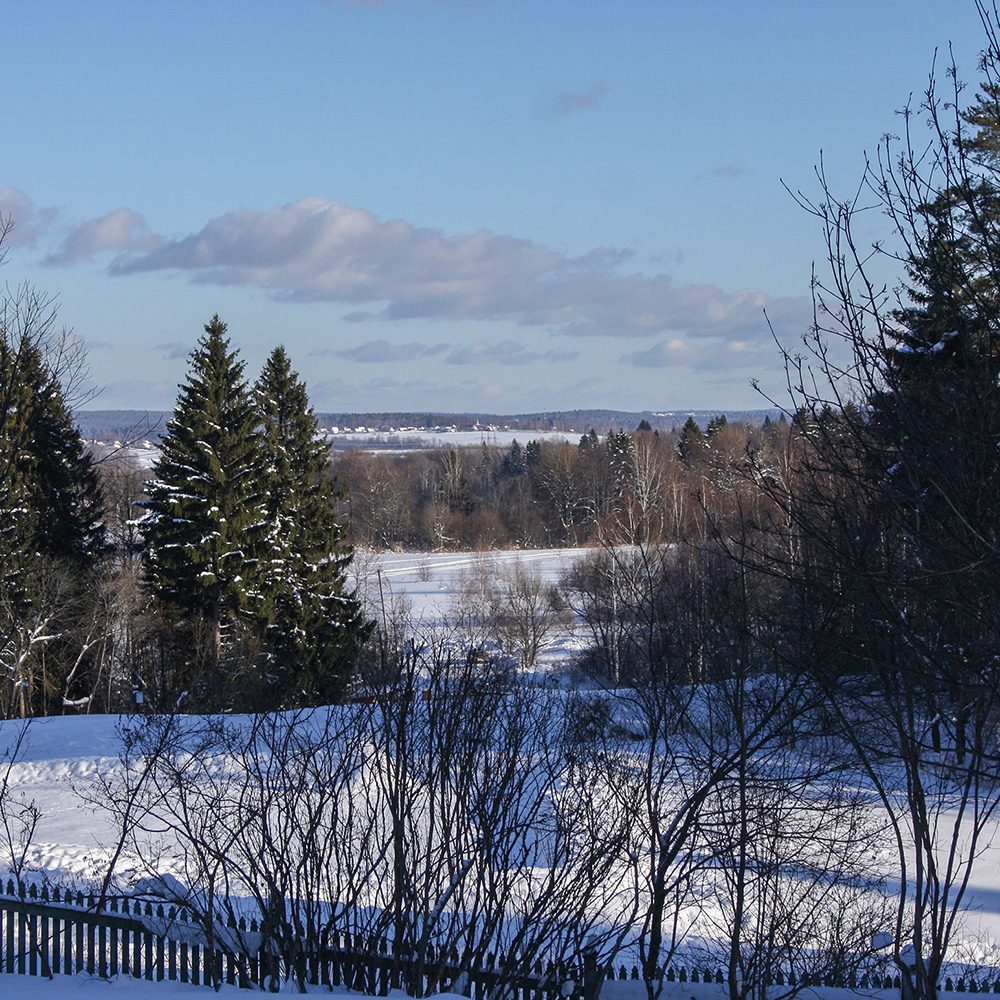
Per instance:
x=619, y=449
x=513, y=461
x=49, y=491
x=64, y=493
x=51, y=532
x=935, y=420
x=205, y=515
x=691, y=440
x=314, y=623
x=716, y=424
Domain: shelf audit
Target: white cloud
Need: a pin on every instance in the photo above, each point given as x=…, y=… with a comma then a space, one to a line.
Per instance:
x=172, y=351
x=700, y=356
x=28, y=222
x=319, y=250
x=117, y=231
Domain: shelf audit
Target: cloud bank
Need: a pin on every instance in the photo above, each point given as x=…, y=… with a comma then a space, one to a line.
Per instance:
x=507, y=352
x=317, y=250
x=702, y=357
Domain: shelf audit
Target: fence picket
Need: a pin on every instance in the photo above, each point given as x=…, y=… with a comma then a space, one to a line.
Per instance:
x=32, y=944
x=20, y=943
x=147, y=956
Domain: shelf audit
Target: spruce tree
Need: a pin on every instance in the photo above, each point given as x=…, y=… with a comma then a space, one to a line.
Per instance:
x=64, y=492
x=51, y=530
x=691, y=441
x=205, y=517
x=314, y=623
x=49, y=492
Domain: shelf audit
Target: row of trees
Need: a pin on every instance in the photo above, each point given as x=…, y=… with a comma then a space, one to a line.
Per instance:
x=223, y=581
x=243, y=545
x=642, y=485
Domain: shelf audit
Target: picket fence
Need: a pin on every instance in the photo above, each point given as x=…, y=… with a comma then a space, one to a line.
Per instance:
x=47, y=932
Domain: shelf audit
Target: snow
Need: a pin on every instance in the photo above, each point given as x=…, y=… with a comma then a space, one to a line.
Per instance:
x=146, y=455
x=84, y=987
x=64, y=758
x=64, y=761
x=119, y=988
x=417, y=439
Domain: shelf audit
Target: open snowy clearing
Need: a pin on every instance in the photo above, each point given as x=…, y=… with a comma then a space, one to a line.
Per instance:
x=431, y=584
x=426, y=439
x=125, y=988
x=64, y=759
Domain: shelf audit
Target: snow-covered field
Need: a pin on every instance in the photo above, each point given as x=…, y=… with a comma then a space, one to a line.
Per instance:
x=413, y=440
x=385, y=442
x=432, y=582
x=64, y=760
x=122, y=988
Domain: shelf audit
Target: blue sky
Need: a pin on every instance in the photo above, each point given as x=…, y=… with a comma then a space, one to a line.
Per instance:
x=494, y=205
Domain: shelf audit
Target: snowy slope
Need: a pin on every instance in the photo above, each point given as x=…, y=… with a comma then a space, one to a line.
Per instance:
x=64, y=760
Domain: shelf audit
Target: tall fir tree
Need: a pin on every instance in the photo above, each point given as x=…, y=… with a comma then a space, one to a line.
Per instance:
x=65, y=496
x=52, y=536
x=49, y=490
x=205, y=519
x=691, y=442
x=314, y=624
x=936, y=417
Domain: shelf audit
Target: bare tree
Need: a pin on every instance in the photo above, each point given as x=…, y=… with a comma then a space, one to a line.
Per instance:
x=887, y=531
x=790, y=871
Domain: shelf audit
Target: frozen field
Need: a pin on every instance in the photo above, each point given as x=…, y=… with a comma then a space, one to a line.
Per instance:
x=65, y=759
x=415, y=440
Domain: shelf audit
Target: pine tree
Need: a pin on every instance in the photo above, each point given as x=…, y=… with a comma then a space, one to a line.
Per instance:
x=314, y=623
x=691, y=441
x=205, y=516
x=64, y=495
x=51, y=531
x=715, y=425
x=49, y=491
x=935, y=419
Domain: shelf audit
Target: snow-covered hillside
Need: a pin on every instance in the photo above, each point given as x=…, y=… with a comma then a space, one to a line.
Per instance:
x=63, y=763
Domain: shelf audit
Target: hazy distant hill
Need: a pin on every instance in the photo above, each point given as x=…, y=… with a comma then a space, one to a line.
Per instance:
x=134, y=425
